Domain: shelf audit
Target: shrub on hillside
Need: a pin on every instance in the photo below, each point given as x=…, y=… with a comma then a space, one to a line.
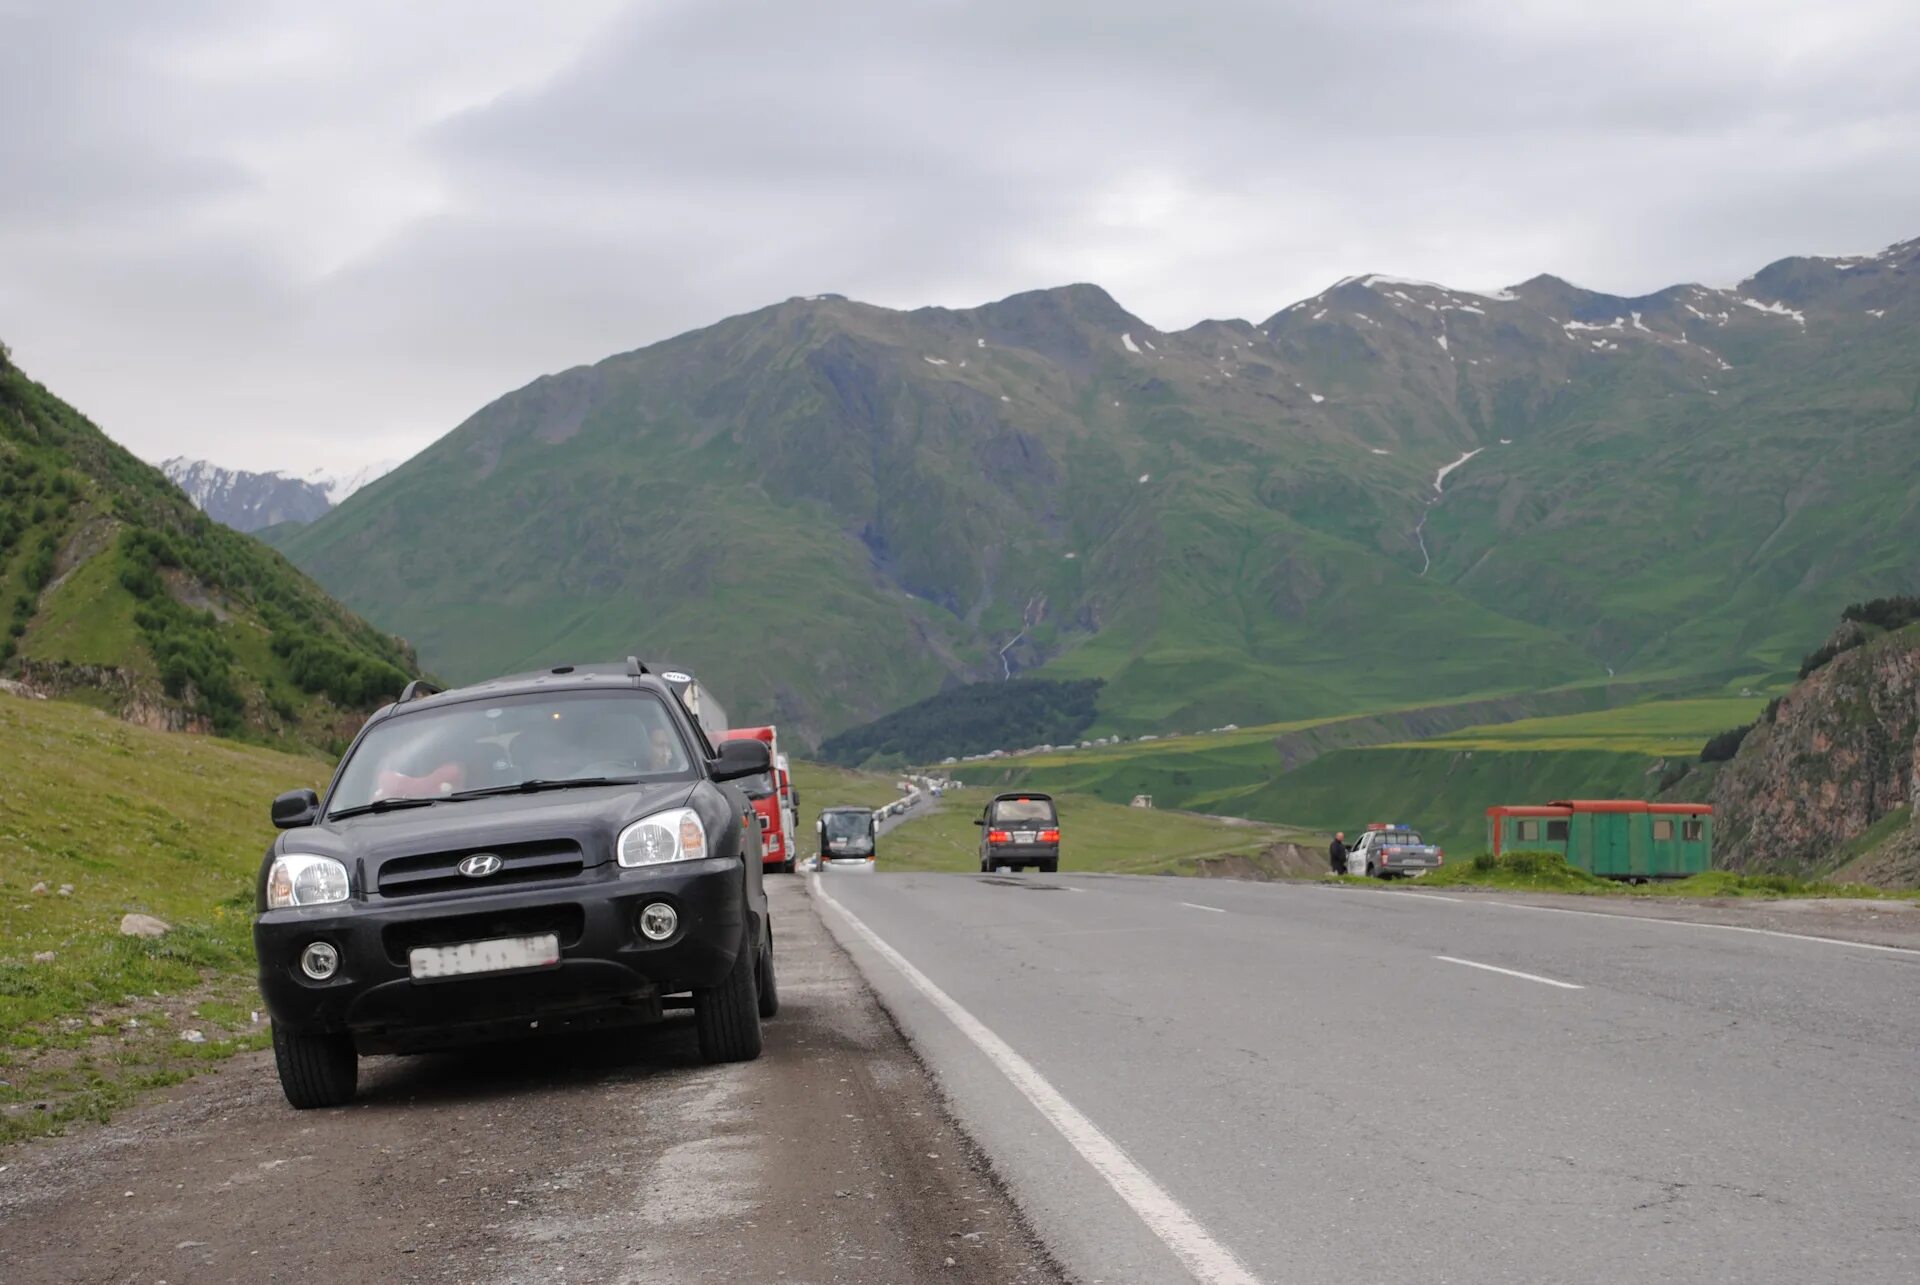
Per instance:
x=349, y=679
x=1816, y=659
x=1887, y=613
x=1724, y=746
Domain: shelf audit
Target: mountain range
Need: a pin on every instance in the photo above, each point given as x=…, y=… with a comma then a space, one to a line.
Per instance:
x=119, y=593
x=1388, y=494
x=253, y=501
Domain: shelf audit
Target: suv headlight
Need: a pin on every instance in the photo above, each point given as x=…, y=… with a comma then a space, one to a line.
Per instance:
x=676, y=835
x=301, y=879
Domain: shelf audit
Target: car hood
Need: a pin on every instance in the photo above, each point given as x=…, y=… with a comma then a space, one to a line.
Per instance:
x=591, y=817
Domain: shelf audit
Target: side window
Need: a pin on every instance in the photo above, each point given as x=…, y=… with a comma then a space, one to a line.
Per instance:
x=1556, y=831
x=1663, y=831
x=1527, y=831
x=1693, y=831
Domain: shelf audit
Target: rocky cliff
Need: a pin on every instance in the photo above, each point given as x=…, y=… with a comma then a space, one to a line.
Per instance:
x=1829, y=780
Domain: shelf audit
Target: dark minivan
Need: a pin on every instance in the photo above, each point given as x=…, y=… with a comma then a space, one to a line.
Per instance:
x=1020, y=830
x=546, y=852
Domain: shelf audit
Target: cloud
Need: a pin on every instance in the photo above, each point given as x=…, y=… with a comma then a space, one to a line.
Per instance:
x=283, y=234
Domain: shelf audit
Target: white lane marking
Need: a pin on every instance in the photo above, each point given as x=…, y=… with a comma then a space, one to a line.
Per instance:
x=1655, y=919
x=1210, y=1262
x=1194, y=905
x=1531, y=977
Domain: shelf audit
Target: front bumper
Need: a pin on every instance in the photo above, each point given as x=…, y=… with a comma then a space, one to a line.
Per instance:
x=607, y=970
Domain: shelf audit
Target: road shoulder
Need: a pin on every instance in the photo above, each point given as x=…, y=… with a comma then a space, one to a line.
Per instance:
x=831, y=1159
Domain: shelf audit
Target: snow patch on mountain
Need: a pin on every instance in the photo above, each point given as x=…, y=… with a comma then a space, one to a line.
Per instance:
x=1776, y=309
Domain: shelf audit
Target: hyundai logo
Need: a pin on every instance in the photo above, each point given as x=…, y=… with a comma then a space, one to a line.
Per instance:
x=479, y=865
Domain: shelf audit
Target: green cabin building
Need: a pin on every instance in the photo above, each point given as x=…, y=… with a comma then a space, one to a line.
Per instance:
x=1610, y=838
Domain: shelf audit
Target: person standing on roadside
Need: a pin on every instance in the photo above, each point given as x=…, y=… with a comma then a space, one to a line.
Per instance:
x=1337, y=853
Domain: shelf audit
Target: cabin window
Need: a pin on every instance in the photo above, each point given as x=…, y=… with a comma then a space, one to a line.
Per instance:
x=1663, y=831
x=1693, y=831
x=1556, y=832
x=1526, y=831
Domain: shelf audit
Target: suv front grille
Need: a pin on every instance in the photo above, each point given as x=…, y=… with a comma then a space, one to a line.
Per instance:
x=519, y=863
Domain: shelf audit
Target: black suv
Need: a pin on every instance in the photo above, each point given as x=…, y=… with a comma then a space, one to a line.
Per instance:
x=550, y=851
x=1020, y=830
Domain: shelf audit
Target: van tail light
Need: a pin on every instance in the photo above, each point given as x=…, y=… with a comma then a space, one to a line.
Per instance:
x=999, y=836
x=1049, y=836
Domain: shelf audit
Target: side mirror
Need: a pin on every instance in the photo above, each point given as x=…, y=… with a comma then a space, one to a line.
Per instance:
x=979, y=820
x=796, y=799
x=296, y=808
x=819, y=826
x=740, y=758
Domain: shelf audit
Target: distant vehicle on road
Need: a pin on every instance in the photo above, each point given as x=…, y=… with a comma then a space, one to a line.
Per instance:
x=1019, y=830
x=763, y=790
x=1611, y=838
x=847, y=836
x=1387, y=851
x=561, y=850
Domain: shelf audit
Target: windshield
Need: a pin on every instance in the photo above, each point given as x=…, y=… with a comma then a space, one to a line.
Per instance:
x=500, y=744
x=1013, y=810
x=757, y=786
x=849, y=831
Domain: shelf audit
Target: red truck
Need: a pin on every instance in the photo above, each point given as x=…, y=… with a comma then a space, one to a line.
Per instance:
x=768, y=796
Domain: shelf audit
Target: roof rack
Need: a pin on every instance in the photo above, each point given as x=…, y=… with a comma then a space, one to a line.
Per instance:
x=416, y=689
x=634, y=667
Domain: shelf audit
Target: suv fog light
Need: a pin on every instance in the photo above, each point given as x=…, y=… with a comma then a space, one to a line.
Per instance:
x=319, y=961
x=658, y=920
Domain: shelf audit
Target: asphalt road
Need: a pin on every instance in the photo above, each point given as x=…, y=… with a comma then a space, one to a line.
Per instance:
x=1231, y=1081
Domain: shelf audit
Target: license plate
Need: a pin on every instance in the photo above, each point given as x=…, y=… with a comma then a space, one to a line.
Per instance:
x=495, y=956
x=1023, y=836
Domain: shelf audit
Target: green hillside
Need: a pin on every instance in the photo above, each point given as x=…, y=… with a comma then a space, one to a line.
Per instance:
x=116, y=591
x=844, y=509
x=129, y=820
x=1444, y=784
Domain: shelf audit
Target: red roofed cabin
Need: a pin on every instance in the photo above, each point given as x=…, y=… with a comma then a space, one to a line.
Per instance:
x=1610, y=838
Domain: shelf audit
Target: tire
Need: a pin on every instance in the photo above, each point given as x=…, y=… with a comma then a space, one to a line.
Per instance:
x=1372, y=873
x=766, y=983
x=1050, y=867
x=786, y=867
x=315, y=1070
x=727, y=1017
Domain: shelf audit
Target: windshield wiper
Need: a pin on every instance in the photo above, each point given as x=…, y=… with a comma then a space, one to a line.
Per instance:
x=538, y=784
x=381, y=805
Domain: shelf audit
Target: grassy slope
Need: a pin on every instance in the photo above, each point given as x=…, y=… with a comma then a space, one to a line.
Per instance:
x=1099, y=835
x=1443, y=784
x=1096, y=836
x=1659, y=728
x=134, y=820
x=70, y=491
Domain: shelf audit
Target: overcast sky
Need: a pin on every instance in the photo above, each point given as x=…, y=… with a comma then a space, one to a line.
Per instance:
x=290, y=234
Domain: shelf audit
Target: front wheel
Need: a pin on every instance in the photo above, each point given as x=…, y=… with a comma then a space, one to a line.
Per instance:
x=315, y=1070
x=766, y=983
x=727, y=1017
